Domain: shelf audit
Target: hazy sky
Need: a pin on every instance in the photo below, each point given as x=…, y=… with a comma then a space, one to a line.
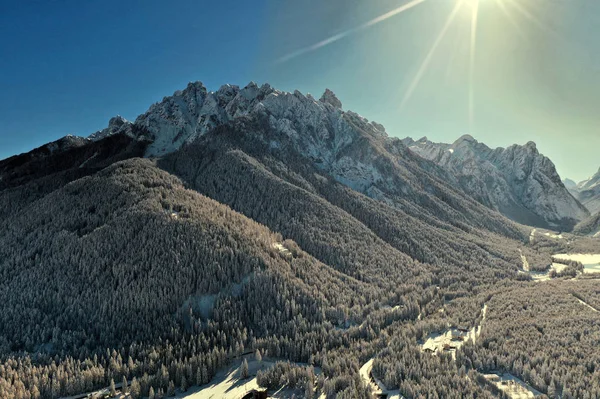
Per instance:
x=68, y=66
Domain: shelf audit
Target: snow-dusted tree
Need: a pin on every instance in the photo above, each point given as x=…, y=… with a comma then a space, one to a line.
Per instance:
x=258, y=356
x=244, y=370
x=112, y=388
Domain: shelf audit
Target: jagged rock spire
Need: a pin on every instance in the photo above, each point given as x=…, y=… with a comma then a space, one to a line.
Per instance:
x=329, y=97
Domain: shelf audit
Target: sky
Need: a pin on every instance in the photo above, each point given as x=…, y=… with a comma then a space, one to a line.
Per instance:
x=529, y=73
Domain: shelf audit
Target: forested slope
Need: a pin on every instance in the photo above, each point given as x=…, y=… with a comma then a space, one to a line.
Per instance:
x=271, y=222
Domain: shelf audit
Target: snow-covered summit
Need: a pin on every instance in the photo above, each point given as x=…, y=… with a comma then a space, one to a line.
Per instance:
x=517, y=181
x=194, y=111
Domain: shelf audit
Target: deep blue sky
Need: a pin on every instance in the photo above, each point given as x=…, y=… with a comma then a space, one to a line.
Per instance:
x=66, y=67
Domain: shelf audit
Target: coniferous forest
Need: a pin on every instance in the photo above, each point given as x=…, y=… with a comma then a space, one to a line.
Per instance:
x=151, y=275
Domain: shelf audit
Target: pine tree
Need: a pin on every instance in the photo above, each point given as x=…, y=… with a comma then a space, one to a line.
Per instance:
x=151, y=393
x=183, y=384
x=258, y=356
x=171, y=389
x=199, y=379
x=113, y=391
x=309, y=390
x=244, y=370
x=135, y=388
x=125, y=387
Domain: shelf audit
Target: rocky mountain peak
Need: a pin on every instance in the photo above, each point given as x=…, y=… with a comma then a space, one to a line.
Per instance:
x=117, y=121
x=465, y=138
x=517, y=181
x=116, y=125
x=330, y=98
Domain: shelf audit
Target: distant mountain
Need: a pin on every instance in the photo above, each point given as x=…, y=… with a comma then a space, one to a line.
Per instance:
x=588, y=192
x=569, y=184
x=517, y=181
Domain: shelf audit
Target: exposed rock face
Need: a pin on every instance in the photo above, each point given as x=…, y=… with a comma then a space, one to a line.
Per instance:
x=517, y=181
x=330, y=98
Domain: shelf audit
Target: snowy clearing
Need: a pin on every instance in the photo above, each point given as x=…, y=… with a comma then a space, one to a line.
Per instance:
x=532, y=236
x=524, y=260
x=226, y=384
x=556, y=236
x=279, y=246
x=540, y=276
x=591, y=262
x=377, y=387
x=512, y=386
x=451, y=340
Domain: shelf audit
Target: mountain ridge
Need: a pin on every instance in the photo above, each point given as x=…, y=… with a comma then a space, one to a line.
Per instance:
x=518, y=181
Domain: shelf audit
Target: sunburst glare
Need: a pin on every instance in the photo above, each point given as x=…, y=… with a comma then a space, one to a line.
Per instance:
x=349, y=32
x=425, y=64
x=507, y=7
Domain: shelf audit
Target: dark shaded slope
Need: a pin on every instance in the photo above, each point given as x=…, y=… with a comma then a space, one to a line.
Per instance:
x=589, y=226
x=343, y=228
x=77, y=155
x=111, y=258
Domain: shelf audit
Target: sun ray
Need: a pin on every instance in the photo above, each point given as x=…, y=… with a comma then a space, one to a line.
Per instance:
x=474, y=20
x=349, y=32
x=530, y=16
x=415, y=82
x=457, y=46
x=510, y=18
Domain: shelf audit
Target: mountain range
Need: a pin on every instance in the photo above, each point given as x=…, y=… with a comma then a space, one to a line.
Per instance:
x=517, y=181
x=163, y=248
x=588, y=193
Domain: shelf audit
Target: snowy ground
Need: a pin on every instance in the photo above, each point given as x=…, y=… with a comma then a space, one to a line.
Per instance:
x=532, y=236
x=453, y=339
x=540, y=276
x=512, y=386
x=591, y=262
x=557, y=236
x=226, y=384
x=588, y=305
x=377, y=387
x=278, y=246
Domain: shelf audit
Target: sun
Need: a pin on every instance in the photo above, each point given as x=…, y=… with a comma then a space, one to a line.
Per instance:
x=509, y=8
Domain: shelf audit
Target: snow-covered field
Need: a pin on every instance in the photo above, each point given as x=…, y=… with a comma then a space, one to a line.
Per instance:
x=512, y=386
x=453, y=339
x=591, y=262
x=557, y=236
x=226, y=384
x=278, y=246
x=377, y=387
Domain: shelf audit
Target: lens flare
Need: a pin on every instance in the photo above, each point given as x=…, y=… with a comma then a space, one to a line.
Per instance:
x=349, y=32
x=474, y=19
x=423, y=68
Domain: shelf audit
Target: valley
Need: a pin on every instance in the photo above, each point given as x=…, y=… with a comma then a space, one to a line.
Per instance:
x=162, y=254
